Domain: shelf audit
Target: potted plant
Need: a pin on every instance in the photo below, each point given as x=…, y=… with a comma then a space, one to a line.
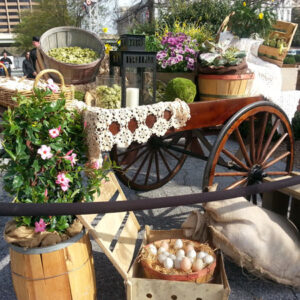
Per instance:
x=222, y=72
x=46, y=163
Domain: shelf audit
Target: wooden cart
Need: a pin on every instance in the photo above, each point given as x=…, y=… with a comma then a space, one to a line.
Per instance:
x=243, y=140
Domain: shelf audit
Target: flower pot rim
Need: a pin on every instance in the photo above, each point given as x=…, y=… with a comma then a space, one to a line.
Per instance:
x=47, y=249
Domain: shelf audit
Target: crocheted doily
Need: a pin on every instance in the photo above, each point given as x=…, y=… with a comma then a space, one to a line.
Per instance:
x=98, y=121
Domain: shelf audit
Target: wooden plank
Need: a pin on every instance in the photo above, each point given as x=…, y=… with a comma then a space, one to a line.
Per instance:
x=124, y=249
x=104, y=231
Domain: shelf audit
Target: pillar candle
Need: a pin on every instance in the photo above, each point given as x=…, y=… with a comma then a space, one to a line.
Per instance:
x=132, y=97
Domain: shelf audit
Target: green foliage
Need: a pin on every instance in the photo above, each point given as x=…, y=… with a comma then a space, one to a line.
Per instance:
x=215, y=55
x=32, y=178
x=296, y=19
x=145, y=28
x=46, y=15
x=252, y=17
x=79, y=95
x=210, y=13
x=296, y=126
x=289, y=60
x=181, y=88
x=297, y=58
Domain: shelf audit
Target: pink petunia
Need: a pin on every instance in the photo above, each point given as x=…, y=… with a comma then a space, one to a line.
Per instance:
x=45, y=152
x=62, y=179
x=54, y=132
x=40, y=226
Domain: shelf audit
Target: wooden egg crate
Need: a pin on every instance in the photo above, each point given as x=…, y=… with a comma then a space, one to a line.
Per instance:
x=284, y=30
x=124, y=228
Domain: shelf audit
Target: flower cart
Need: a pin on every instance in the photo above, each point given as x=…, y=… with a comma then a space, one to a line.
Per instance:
x=236, y=156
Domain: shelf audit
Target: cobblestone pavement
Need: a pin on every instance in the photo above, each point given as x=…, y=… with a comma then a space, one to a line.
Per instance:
x=244, y=286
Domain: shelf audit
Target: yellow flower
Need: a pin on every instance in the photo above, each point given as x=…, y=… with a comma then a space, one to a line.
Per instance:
x=107, y=48
x=261, y=16
x=34, y=124
x=104, y=29
x=119, y=42
x=244, y=3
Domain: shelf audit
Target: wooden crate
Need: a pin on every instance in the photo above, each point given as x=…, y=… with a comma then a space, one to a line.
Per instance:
x=284, y=30
x=124, y=229
x=285, y=202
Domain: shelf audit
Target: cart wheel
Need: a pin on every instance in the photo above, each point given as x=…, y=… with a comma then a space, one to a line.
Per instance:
x=151, y=165
x=256, y=142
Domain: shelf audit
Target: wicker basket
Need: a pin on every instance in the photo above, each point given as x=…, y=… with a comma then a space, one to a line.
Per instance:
x=202, y=276
x=7, y=94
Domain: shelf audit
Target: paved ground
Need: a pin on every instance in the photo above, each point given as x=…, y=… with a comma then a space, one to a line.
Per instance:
x=244, y=286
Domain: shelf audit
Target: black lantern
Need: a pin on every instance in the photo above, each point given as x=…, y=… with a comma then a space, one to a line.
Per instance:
x=137, y=69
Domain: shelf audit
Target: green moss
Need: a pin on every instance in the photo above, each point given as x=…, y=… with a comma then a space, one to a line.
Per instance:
x=181, y=88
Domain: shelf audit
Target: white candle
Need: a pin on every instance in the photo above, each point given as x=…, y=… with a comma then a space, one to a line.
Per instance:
x=132, y=97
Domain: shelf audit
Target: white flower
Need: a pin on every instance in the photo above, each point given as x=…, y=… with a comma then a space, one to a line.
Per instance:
x=45, y=152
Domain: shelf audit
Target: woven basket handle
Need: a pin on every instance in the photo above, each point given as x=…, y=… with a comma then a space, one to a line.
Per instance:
x=5, y=70
x=223, y=26
x=40, y=74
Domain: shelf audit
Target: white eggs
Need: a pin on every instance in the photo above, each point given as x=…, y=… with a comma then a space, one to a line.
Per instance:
x=178, y=244
x=185, y=264
x=161, y=257
x=198, y=265
x=161, y=250
x=152, y=249
x=201, y=254
x=177, y=262
x=208, y=259
x=191, y=254
x=168, y=263
x=180, y=253
x=172, y=256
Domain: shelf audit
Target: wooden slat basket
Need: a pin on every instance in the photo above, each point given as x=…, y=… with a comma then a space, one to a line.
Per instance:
x=7, y=94
x=284, y=30
x=118, y=236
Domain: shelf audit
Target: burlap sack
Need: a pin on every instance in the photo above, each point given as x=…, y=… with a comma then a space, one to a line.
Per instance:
x=26, y=237
x=259, y=240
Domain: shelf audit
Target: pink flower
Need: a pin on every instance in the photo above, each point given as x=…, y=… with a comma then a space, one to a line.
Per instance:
x=52, y=86
x=64, y=187
x=84, y=124
x=95, y=165
x=40, y=226
x=45, y=152
x=62, y=179
x=46, y=193
x=54, y=132
x=71, y=158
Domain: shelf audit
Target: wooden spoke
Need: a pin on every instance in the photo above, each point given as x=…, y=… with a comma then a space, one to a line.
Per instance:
x=130, y=149
x=231, y=173
x=237, y=183
x=149, y=168
x=276, y=160
x=164, y=160
x=262, y=134
x=137, y=158
x=243, y=147
x=276, y=173
x=140, y=167
x=236, y=160
x=157, y=166
x=252, y=139
x=275, y=126
x=274, y=148
x=170, y=153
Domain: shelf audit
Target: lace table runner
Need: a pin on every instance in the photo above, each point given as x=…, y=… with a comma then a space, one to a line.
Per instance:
x=98, y=122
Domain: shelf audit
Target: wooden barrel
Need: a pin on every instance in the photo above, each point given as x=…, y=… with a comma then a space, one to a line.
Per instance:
x=214, y=87
x=63, y=271
x=70, y=37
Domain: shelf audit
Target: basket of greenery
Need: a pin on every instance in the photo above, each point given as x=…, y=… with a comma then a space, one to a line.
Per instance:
x=222, y=72
x=46, y=163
